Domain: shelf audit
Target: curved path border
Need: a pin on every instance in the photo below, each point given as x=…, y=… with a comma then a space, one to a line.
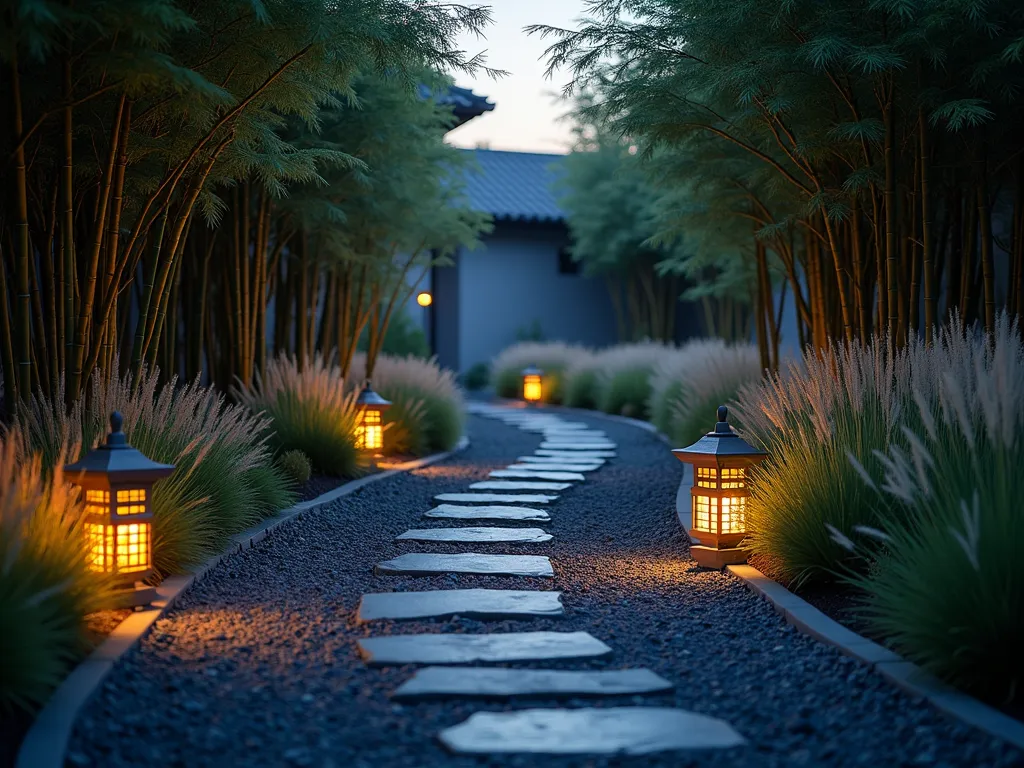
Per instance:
x=809, y=620
x=45, y=744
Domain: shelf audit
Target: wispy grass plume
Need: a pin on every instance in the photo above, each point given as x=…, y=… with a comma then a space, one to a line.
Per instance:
x=307, y=409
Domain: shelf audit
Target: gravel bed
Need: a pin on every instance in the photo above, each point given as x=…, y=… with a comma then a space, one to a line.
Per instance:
x=258, y=664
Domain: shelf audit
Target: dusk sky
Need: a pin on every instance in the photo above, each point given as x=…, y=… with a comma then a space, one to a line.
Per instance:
x=526, y=116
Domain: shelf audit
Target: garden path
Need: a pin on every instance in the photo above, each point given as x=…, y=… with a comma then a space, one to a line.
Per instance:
x=612, y=641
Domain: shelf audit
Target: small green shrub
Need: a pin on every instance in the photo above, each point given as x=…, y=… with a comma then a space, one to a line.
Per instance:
x=583, y=386
x=46, y=585
x=626, y=392
x=946, y=588
x=426, y=414
x=554, y=358
x=226, y=479
x=625, y=377
x=309, y=411
x=295, y=464
x=477, y=377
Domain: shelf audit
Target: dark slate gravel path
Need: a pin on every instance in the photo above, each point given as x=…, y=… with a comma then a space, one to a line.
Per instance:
x=258, y=665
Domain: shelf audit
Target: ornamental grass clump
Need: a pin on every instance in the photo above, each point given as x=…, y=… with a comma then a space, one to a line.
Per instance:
x=554, y=358
x=46, y=585
x=306, y=408
x=225, y=479
x=426, y=413
x=946, y=587
x=625, y=377
x=810, y=417
x=688, y=386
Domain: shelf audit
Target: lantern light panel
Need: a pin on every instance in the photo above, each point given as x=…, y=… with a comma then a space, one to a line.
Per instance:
x=533, y=387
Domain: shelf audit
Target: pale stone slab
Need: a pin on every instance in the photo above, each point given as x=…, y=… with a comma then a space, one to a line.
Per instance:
x=538, y=474
x=576, y=454
x=551, y=467
x=605, y=731
x=469, y=649
x=576, y=434
x=569, y=459
x=517, y=485
x=504, y=683
x=455, y=512
x=524, y=535
x=581, y=446
x=489, y=604
x=432, y=564
x=496, y=498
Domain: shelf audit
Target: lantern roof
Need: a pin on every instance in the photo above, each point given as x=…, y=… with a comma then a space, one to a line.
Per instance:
x=367, y=397
x=723, y=442
x=532, y=370
x=117, y=460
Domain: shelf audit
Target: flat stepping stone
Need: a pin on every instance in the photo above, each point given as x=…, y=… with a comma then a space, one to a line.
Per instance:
x=569, y=459
x=432, y=564
x=505, y=683
x=471, y=649
x=482, y=604
x=594, y=446
x=454, y=512
x=548, y=468
x=517, y=485
x=576, y=454
x=496, y=498
x=531, y=535
x=538, y=474
x=605, y=731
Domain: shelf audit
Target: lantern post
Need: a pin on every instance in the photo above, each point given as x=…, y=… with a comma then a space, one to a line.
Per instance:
x=118, y=484
x=721, y=460
x=370, y=427
x=533, y=386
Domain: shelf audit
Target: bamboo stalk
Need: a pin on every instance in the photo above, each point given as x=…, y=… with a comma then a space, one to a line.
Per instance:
x=6, y=342
x=987, y=266
x=892, y=300
x=85, y=316
x=23, y=311
x=926, y=233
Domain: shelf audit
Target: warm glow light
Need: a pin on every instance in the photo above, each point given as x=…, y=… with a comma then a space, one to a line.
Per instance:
x=424, y=299
x=115, y=547
x=532, y=389
x=370, y=431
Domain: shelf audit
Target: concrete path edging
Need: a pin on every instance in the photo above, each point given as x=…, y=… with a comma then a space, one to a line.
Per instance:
x=906, y=675
x=45, y=744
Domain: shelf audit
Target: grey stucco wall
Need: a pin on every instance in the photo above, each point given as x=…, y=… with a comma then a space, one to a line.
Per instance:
x=513, y=280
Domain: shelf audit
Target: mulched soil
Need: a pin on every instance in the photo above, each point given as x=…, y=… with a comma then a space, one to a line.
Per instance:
x=258, y=664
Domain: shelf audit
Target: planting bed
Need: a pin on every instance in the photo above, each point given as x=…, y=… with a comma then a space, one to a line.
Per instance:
x=259, y=664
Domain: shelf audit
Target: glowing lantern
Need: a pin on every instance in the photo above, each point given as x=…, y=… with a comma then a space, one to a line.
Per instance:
x=370, y=428
x=533, y=388
x=719, y=493
x=424, y=299
x=118, y=484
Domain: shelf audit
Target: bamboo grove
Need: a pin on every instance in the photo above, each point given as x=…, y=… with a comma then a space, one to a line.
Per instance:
x=198, y=185
x=869, y=154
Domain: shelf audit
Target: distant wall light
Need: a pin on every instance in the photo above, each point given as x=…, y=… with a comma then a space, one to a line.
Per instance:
x=424, y=298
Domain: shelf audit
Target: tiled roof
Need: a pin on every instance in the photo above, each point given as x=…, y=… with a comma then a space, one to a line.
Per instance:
x=464, y=103
x=514, y=186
